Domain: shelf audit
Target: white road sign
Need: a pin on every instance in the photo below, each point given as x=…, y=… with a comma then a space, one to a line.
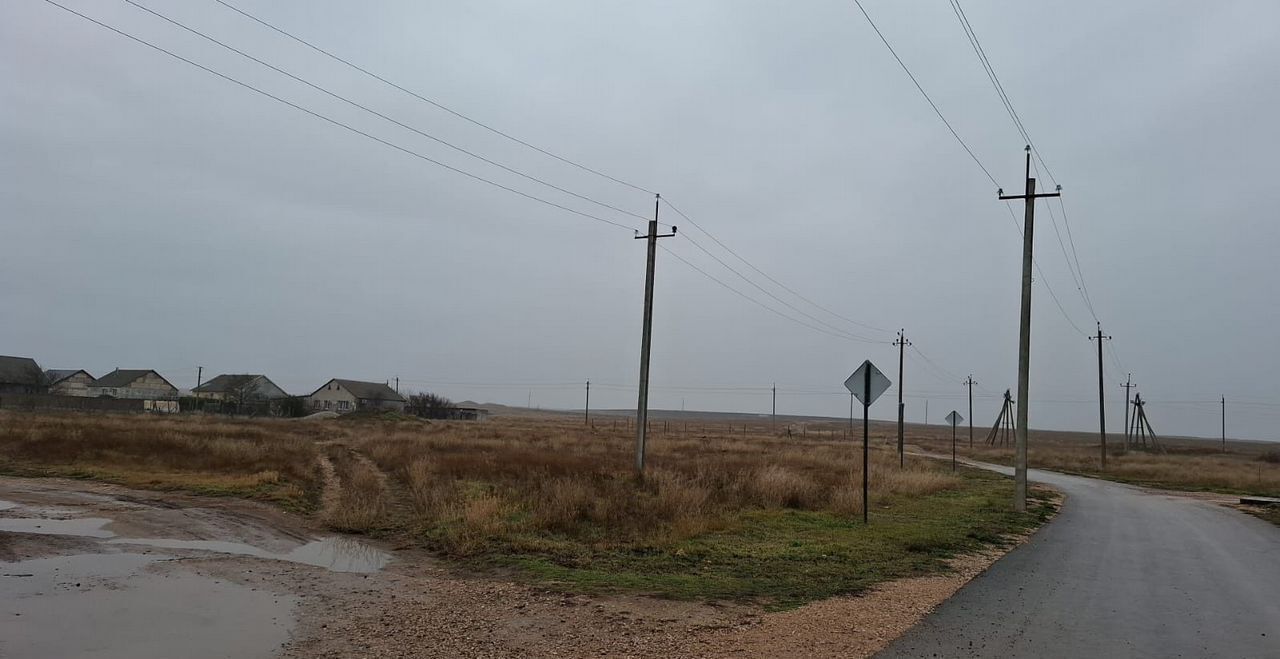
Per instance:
x=954, y=418
x=857, y=383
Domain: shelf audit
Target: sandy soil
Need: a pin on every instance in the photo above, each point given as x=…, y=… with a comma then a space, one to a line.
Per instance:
x=417, y=607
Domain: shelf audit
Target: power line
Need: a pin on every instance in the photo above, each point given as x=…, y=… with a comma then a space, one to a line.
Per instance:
x=765, y=275
x=436, y=104
x=846, y=336
x=1044, y=280
x=924, y=93
x=770, y=294
x=335, y=122
x=380, y=115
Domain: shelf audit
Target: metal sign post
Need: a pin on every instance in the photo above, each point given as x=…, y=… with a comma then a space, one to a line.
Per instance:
x=866, y=384
x=953, y=419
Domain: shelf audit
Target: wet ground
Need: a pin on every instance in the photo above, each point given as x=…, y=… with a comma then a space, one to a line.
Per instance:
x=96, y=571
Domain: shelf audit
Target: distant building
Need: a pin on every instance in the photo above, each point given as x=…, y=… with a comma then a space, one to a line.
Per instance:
x=469, y=413
x=240, y=388
x=21, y=375
x=68, y=382
x=133, y=383
x=350, y=395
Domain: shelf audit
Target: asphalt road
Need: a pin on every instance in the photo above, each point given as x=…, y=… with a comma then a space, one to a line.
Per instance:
x=1120, y=572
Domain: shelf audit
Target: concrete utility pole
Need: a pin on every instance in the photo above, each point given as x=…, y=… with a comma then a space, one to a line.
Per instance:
x=1128, y=384
x=1024, y=335
x=642, y=405
x=926, y=411
x=1224, y=424
x=586, y=407
x=902, y=344
x=199, y=381
x=773, y=419
x=1102, y=400
x=969, y=383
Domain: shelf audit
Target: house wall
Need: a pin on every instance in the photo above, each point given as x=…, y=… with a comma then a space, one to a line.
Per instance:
x=333, y=398
x=76, y=385
x=149, y=386
x=368, y=403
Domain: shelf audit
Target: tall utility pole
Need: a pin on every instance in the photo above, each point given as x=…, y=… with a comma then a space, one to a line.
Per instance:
x=1102, y=399
x=902, y=344
x=969, y=383
x=586, y=407
x=1024, y=335
x=642, y=405
x=1128, y=384
x=1224, y=424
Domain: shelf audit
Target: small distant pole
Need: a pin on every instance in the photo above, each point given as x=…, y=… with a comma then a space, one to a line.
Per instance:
x=397, y=384
x=1128, y=384
x=773, y=421
x=1224, y=424
x=970, y=384
x=199, y=381
x=586, y=407
x=926, y=411
x=1102, y=401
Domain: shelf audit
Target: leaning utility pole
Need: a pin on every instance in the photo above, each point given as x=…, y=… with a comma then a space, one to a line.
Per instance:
x=586, y=407
x=1102, y=401
x=902, y=344
x=642, y=406
x=969, y=383
x=1024, y=336
x=1128, y=384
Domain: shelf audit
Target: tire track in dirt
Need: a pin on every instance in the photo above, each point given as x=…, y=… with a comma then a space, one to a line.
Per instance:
x=331, y=492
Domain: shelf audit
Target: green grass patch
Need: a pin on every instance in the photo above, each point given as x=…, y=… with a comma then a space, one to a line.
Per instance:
x=783, y=558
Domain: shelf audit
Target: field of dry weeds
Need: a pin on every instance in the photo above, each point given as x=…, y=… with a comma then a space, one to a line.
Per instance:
x=723, y=511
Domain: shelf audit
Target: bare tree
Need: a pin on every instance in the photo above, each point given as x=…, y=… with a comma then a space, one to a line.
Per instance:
x=430, y=406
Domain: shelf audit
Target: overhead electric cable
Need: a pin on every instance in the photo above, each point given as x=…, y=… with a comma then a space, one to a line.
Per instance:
x=380, y=115
x=436, y=104
x=335, y=122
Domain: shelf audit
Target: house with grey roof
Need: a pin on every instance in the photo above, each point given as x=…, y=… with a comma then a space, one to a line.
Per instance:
x=68, y=381
x=240, y=388
x=133, y=383
x=21, y=375
x=343, y=396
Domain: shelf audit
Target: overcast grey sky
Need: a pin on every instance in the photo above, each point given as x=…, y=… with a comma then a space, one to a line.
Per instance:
x=156, y=216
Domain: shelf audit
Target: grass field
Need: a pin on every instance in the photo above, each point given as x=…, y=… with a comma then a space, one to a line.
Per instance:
x=723, y=513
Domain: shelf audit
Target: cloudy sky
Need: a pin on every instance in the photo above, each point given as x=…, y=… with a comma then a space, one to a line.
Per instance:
x=158, y=216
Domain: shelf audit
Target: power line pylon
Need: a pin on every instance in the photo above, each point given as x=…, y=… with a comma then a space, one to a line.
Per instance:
x=642, y=405
x=902, y=344
x=1004, y=421
x=1024, y=334
x=1102, y=399
x=1142, y=426
x=969, y=383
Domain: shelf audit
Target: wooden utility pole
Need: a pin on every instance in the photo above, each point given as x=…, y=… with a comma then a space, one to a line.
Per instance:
x=1024, y=335
x=642, y=405
x=902, y=344
x=1128, y=384
x=969, y=383
x=1102, y=401
x=586, y=407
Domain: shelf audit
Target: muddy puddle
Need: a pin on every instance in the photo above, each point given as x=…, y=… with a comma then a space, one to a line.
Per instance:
x=331, y=552
x=122, y=605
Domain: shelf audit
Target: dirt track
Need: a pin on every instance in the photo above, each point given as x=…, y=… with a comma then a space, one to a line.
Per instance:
x=172, y=575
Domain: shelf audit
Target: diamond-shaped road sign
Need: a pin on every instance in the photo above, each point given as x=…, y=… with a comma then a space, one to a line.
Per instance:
x=954, y=418
x=857, y=383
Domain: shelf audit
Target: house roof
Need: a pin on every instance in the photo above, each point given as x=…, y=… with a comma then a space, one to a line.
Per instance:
x=366, y=390
x=226, y=382
x=20, y=370
x=56, y=375
x=123, y=377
